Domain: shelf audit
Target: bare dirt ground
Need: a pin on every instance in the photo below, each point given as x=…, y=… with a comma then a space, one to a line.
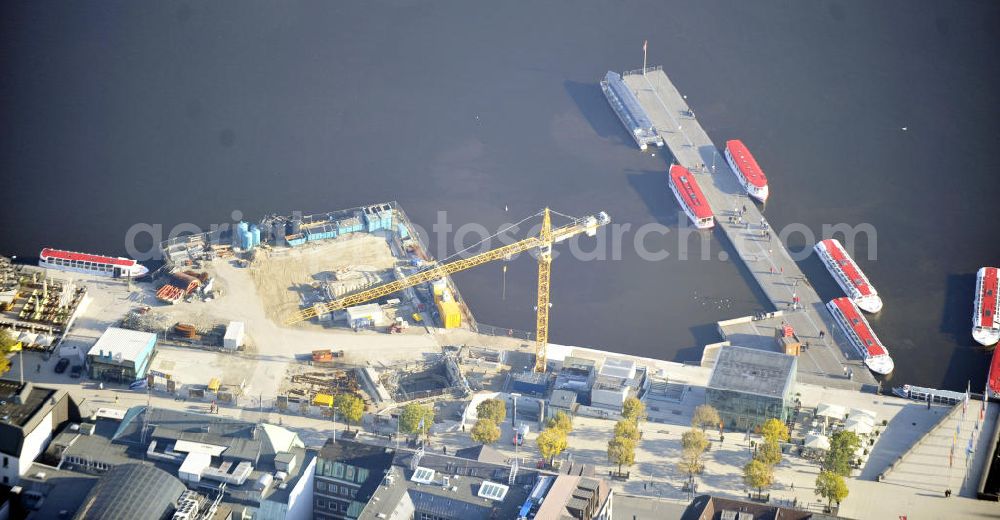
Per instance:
x=283, y=277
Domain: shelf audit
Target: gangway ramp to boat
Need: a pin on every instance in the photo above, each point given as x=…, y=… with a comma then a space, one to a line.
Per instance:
x=766, y=258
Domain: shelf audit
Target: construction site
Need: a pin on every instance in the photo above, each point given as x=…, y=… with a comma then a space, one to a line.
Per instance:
x=36, y=307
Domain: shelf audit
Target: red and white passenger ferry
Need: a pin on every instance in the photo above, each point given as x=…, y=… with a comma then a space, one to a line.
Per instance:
x=848, y=275
x=993, y=376
x=746, y=169
x=985, y=327
x=91, y=264
x=690, y=197
x=860, y=334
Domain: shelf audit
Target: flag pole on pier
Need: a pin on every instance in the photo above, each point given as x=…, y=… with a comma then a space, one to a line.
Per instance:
x=644, y=44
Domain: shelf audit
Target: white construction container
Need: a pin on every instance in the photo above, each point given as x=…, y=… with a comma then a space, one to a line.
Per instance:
x=234, y=335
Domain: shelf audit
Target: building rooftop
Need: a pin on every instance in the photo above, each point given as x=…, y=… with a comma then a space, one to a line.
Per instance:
x=579, y=363
x=482, y=453
x=376, y=460
x=129, y=344
x=570, y=495
x=453, y=490
x=179, y=435
x=706, y=506
x=620, y=368
x=132, y=491
x=48, y=491
x=562, y=399
x=753, y=371
x=20, y=402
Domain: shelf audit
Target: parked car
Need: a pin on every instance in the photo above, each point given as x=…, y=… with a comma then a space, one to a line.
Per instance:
x=76, y=371
x=61, y=365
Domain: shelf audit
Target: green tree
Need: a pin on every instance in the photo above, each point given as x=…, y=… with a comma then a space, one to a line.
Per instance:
x=627, y=428
x=705, y=416
x=552, y=442
x=350, y=407
x=769, y=452
x=621, y=451
x=561, y=421
x=693, y=446
x=633, y=409
x=7, y=340
x=416, y=418
x=8, y=344
x=758, y=475
x=774, y=429
x=831, y=486
x=485, y=431
x=493, y=409
x=694, y=440
x=843, y=444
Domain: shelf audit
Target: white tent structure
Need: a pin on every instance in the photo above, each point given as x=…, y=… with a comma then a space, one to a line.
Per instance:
x=860, y=426
x=27, y=338
x=816, y=441
x=830, y=411
x=860, y=412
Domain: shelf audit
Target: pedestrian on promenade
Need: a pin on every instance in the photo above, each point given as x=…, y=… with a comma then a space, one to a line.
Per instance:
x=772, y=269
x=782, y=269
x=744, y=208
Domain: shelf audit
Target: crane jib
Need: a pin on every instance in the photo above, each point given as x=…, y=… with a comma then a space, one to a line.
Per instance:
x=547, y=237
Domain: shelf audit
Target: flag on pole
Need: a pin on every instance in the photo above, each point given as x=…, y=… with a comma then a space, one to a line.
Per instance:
x=986, y=396
x=965, y=404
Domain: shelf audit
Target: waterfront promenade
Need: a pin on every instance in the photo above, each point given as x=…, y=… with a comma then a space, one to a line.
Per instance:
x=764, y=257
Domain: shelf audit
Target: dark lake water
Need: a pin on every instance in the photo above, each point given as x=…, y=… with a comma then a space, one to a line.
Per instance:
x=117, y=113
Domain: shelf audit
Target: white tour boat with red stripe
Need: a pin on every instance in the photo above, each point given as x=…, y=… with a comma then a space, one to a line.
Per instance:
x=985, y=327
x=861, y=335
x=848, y=275
x=116, y=267
x=746, y=169
x=690, y=197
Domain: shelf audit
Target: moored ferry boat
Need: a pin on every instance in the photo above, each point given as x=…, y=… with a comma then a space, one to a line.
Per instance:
x=848, y=275
x=690, y=197
x=630, y=111
x=985, y=327
x=72, y=261
x=861, y=335
x=920, y=393
x=993, y=377
x=747, y=170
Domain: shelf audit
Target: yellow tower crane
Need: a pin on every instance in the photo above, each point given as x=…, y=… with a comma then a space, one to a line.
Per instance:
x=543, y=242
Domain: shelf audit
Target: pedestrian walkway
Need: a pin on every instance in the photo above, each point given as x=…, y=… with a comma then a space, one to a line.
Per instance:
x=760, y=250
x=957, y=447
